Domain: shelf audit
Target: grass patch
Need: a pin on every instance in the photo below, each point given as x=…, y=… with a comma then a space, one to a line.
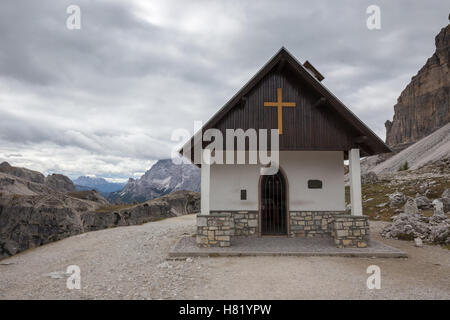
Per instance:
x=428, y=212
x=380, y=191
x=405, y=236
x=446, y=246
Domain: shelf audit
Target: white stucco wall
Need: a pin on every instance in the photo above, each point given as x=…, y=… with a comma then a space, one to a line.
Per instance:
x=299, y=167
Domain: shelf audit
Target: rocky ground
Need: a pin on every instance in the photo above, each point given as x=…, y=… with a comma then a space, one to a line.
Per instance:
x=129, y=263
x=429, y=181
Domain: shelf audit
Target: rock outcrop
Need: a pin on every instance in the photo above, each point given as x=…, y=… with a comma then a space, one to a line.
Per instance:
x=31, y=221
x=35, y=210
x=24, y=173
x=446, y=200
x=59, y=182
x=423, y=106
x=396, y=199
x=410, y=224
x=172, y=205
x=28, y=182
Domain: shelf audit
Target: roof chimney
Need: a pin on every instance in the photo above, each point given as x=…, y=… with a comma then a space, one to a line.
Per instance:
x=313, y=71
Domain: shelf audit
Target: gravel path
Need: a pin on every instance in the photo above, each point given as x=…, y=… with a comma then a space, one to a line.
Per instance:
x=129, y=263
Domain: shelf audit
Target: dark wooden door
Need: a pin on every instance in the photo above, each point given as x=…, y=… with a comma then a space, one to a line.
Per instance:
x=273, y=205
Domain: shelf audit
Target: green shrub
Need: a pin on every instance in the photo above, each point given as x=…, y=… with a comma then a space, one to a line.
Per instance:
x=405, y=236
x=404, y=166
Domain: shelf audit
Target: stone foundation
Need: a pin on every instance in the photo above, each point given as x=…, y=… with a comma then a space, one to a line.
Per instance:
x=218, y=228
x=245, y=223
x=311, y=223
x=351, y=231
x=214, y=230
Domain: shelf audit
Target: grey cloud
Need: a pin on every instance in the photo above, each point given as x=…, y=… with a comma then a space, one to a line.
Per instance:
x=111, y=93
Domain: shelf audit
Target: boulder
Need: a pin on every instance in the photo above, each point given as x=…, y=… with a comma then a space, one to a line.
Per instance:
x=423, y=202
x=418, y=242
x=406, y=227
x=396, y=199
x=446, y=199
x=438, y=207
x=440, y=233
x=369, y=178
x=410, y=206
x=411, y=224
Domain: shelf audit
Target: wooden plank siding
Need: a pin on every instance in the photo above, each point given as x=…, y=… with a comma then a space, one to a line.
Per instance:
x=305, y=127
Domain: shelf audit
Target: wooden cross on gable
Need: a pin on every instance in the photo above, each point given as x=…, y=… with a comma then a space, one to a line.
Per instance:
x=279, y=104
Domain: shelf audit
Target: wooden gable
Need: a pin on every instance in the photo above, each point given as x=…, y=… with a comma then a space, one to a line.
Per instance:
x=319, y=121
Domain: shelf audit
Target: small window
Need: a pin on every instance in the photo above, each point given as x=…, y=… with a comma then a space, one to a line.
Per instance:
x=243, y=194
x=314, y=184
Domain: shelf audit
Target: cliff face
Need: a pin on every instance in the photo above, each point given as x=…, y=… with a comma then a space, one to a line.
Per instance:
x=28, y=221
x=423, y=106
x=35, y=210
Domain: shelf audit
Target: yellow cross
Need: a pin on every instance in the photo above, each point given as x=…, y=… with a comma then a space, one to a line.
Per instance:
x=279, y=104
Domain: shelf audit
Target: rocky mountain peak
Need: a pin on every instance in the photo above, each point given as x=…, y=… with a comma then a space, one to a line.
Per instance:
x=162, y=178
x=5, y=164
x=423, y=106
x=89, y=181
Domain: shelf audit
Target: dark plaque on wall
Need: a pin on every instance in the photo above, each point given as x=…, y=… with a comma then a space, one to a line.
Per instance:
x=243, y=194
x=314, y=184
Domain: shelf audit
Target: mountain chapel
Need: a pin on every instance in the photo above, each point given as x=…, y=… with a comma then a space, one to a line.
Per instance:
x=305, y=197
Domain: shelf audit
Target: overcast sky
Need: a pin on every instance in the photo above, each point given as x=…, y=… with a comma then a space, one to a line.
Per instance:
x=104, y=100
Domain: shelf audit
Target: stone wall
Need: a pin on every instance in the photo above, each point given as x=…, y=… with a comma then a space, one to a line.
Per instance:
x=351, y=231
x=215, y=230
x=311, y=223
x=245, y=223
x=218, y=228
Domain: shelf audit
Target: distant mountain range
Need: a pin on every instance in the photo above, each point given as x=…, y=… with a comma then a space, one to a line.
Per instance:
x=101, y=185
x=163, y=178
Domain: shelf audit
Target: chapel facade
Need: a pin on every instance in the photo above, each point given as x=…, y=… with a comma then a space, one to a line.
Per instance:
x=305, y=196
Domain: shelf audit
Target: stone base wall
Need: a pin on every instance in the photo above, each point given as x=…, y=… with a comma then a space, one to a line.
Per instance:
x=351, y=231
x=214, y=230
x=245, y=223
x=311, y=223
x=218, y=228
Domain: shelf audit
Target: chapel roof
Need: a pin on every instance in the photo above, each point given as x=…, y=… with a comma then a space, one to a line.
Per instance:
x=340, y=127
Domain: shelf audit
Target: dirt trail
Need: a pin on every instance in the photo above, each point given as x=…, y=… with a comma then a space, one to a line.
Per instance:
x=129, y=263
